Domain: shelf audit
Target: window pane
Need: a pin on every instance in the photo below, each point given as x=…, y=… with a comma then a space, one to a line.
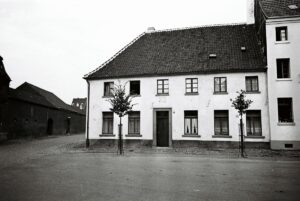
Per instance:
x=159, y=91
x=188, y=90
x=224, y=126
x=194, y=126
x=160, y=82
x=217, y=126
x=248, y=84
x=254, y=84
x=166, y=91
x=223, y=85
x=187, y=125
x=188, y=81
x=216, y=85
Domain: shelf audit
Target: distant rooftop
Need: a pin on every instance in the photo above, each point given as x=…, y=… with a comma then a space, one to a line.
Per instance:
x=280, y=8
x=29, y=93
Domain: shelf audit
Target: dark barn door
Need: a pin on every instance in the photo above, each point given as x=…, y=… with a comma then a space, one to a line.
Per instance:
x=50, y=127
x=162, y=128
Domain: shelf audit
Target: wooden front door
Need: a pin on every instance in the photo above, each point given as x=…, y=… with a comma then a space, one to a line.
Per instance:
x=162, y=128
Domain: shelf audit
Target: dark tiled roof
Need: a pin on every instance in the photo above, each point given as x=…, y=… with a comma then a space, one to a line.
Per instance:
x=279, y=8
x=186, y=51
x=33, y=94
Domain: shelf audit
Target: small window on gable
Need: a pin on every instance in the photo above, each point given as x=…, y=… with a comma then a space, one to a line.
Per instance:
x=135, y=87
x=108, y=89
x=281, y=34
x=283, y=68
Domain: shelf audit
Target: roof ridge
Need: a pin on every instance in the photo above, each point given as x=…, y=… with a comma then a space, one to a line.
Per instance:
x=195, y=27
x=114, y=56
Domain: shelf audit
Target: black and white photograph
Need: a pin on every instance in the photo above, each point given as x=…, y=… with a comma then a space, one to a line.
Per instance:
x=139, y=100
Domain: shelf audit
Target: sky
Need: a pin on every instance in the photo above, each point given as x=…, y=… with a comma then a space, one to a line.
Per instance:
x=54, y=43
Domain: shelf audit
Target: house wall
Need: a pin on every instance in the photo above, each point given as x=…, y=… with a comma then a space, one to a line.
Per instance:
x=206, y=102
x=281, y=133
x=26, y=119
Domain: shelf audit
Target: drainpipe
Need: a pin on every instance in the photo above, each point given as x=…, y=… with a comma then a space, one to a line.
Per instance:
x=87, y=143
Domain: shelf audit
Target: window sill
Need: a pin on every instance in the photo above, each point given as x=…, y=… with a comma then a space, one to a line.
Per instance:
x=107, y=135
x=286, y=124
x=252, y=92
x=220, y=93
x=222, y=136
x=162, y=94
x=254, y=137
x=133, y=135
x=191, y=135
x=284, y=79
x=282, y=42
x=191, y=94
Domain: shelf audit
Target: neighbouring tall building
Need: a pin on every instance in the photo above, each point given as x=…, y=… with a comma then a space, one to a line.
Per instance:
x=183, y=80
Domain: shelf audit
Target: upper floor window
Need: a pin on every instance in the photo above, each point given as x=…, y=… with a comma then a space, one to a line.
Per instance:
x=163, y=86
x=107, y=123
x=220, y=84
x=135, y=87
x=283, y=68
x=253, y=122
x=285, y=110
x=134, y=123
x=252, y=84
x=190, y=122
x=108, y=88
x=281, y=34
x=191, y=85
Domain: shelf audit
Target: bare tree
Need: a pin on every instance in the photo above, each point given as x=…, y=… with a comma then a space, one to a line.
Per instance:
x=121, y=104
x=241, y=105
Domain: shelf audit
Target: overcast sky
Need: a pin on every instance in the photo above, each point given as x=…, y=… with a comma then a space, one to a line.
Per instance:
x=53, y=43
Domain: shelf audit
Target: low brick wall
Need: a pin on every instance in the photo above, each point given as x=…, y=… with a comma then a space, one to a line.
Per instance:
x=137, y=144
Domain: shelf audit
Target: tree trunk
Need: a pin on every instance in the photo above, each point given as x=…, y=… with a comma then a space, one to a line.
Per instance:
x=242, y=136
x=120, y=144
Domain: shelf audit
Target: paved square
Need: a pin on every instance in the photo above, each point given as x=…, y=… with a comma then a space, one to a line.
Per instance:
x=46, y=170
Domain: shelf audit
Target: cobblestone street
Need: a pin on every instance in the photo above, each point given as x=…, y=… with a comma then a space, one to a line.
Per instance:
x=52, y=169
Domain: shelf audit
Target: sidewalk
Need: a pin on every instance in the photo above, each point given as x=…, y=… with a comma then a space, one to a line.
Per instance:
x=267, y=154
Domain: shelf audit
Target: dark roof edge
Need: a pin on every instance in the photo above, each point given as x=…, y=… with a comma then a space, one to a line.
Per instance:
x=42, y=105
x=258, y=70
x=114, y=56
x=275, y=17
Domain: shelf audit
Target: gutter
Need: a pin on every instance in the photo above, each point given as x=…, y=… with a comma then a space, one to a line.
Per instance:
x=87, y=143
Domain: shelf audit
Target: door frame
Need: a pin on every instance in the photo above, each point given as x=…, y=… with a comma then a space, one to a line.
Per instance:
x=155, y=125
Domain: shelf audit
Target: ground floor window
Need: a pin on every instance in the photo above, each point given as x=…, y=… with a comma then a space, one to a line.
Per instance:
x=191, y=122
x=134, y=123
x=253, y=122
x=221, y=122
x=108, y=119
x=285, y=110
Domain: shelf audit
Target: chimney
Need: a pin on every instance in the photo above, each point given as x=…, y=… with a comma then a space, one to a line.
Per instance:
x=250, y=11
x=150, y=29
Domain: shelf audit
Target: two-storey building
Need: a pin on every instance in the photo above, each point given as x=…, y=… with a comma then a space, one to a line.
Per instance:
x=182, y=81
